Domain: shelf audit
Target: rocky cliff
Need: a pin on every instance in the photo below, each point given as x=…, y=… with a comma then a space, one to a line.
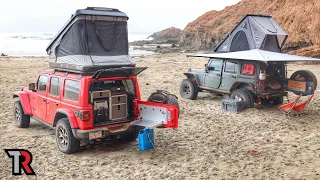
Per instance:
x=299, y=18
x=166, y=34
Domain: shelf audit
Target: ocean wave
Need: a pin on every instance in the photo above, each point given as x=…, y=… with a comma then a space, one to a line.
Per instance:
x=32, y=36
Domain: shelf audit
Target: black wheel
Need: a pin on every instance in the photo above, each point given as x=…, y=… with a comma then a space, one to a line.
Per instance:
x=164, y=98
x=66, y=142
x=278, y=100
x=21, y=120
x=132, y=135
x=188, y=89
x=243, y=95
x=305, y=75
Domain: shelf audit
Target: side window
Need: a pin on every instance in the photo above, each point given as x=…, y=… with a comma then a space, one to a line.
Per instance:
x=55, y=86
x=71, y=90
x=248, y=69
x=42, y=83
x=216, y=64
x=231, y=67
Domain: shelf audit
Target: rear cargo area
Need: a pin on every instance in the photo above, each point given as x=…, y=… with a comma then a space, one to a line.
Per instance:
x=112, y=101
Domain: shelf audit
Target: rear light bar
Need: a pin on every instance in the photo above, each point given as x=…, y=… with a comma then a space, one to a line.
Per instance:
x=82, y=115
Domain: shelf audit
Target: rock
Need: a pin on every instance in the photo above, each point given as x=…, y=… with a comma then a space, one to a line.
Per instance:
x=3, y=55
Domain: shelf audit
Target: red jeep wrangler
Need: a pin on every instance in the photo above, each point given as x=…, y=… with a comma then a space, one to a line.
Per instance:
x=90, y=107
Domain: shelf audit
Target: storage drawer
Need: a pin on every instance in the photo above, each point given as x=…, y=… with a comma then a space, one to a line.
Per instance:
x=119, y=111
x=119, y=99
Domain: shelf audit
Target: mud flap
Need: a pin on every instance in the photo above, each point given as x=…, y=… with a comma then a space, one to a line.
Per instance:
x=150, y=114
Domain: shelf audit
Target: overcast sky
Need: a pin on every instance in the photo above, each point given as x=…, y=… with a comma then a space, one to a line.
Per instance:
x=145, y=15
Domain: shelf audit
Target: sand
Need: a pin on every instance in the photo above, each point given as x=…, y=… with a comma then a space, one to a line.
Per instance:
x=259, y=143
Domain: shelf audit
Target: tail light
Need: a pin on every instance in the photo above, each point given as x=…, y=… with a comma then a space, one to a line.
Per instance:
x=83, y=115
x=261, y=83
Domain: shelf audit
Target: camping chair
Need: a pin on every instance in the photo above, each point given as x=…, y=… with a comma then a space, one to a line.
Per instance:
x=286, y=108
x=301, y=107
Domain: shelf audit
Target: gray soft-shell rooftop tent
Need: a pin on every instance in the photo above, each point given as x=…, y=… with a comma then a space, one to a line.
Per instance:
x=254, y=32
x=92, y=38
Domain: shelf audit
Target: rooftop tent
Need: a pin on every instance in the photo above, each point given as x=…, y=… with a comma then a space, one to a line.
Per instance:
x=257, y=55
x=254, y=32
x=93, y=37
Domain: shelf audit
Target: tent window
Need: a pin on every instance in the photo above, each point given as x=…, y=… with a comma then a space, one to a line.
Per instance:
x=248, y=69
x=271, y=43
x=239, y=42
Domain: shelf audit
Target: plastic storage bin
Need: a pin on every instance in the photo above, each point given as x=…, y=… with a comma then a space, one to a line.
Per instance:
x=232, y=105
x=146, y=139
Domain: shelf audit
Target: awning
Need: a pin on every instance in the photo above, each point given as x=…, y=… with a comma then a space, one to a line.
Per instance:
x=256, y=55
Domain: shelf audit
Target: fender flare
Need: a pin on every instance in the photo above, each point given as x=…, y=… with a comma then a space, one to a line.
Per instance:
x=191, y=76
x=69, y=114
x=25, y=102
x=237, y=84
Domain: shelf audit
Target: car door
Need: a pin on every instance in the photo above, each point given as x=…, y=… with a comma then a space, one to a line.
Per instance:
x=39, y=98
x=53, y=98
x=151, y=114
x=212, y=77
x=230, y=74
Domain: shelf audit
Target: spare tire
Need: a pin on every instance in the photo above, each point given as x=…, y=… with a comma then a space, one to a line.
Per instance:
x=164, y=97
x=305, y=75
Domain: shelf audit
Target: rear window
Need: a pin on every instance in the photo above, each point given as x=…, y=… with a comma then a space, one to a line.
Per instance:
x=71, y=90
x=126, y=85
x=231, y=67
x=55, y=86
x=248, y=69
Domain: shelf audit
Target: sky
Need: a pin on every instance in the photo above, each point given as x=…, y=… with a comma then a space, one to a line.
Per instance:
x=144, y=15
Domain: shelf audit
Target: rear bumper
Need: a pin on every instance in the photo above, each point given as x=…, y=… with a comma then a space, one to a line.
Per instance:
x=267, y=95
x=106, y=131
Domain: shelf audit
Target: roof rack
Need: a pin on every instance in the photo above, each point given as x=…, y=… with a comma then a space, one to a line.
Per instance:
x=113, y=72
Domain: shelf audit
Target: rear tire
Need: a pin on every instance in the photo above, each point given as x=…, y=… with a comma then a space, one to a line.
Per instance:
x=189, y=89
x=66, y=142
x=131, y=136
x=278, y=100
x=21, y=120
x=243, y=95
x=308, y=76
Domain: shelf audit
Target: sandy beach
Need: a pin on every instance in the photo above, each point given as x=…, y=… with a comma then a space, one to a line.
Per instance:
x=259, y=143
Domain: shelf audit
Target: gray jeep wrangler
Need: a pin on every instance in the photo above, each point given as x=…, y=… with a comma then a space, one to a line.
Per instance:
x=248, y=81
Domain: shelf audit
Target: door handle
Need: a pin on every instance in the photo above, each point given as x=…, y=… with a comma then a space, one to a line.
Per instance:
x=234, y=76
x=43, y=100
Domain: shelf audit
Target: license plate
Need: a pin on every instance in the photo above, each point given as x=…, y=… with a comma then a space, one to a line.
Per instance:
x=95, y=135
x=296, y=85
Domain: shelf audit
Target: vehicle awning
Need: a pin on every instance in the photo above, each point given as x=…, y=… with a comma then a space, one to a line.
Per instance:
x=256, y=55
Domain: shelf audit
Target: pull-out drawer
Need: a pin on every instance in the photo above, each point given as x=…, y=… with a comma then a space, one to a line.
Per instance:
x=119, y=111
x=119, y=99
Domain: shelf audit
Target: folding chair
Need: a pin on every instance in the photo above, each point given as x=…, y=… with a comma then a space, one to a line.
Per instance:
x=286, y=108
x=301, y=107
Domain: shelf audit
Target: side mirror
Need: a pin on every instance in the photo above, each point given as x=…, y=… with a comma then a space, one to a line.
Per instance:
x=32, y=87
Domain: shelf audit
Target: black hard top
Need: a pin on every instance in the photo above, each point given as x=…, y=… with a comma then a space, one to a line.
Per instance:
x=96, y=11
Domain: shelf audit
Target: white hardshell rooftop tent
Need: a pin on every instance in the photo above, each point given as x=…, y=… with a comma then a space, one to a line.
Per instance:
x=257, y=55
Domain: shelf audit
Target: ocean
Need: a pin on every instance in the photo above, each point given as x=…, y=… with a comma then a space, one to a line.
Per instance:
x=34, y=44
